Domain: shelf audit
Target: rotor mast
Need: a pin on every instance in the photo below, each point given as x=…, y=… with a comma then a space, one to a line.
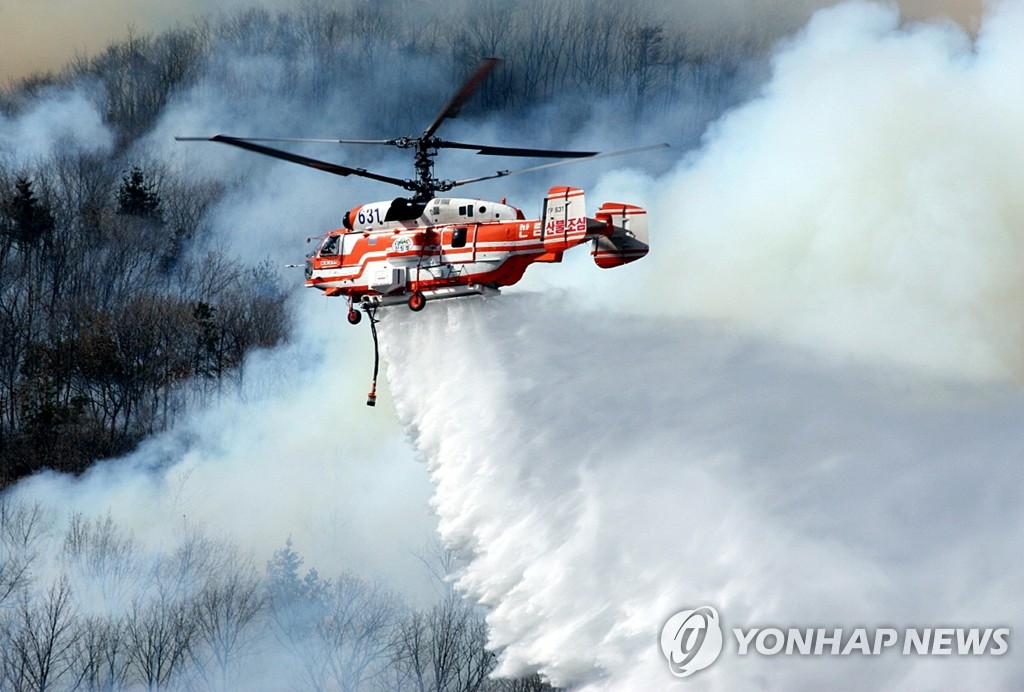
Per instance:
x=425, y=184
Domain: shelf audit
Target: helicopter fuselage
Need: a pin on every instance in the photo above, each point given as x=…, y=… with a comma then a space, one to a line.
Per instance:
x=411, y=251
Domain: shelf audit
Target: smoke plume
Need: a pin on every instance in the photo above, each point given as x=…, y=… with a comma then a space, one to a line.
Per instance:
x=865, y=202
x=59, y=118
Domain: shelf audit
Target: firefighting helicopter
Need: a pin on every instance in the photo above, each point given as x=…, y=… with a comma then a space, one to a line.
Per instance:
x=427, y=247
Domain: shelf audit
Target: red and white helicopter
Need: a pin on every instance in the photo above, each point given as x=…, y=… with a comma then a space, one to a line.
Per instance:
x=425, y=247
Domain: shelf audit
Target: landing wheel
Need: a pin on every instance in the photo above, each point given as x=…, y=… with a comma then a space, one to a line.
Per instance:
x=354, y=316
x=417, y=301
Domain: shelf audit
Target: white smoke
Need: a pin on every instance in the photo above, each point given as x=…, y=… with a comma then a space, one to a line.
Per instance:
x=867, y=201
x=814, y=420
x=66, y=118
x=294, y=453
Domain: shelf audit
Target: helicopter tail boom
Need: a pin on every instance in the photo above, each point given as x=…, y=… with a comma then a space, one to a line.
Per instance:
x=619, y=231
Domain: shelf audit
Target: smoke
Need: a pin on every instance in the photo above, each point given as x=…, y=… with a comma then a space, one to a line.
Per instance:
x=288, y=455
x=866, y=200
x=803, y=408
x=59, y=118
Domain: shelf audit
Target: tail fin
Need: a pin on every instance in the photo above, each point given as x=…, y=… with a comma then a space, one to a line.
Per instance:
x=623, y=238
x=565, y=218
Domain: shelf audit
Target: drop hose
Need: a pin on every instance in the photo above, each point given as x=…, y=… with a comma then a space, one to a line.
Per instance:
x=371, y=398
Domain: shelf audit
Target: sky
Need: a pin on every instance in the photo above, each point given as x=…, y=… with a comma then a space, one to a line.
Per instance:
x=802, y=408
x=43, y=35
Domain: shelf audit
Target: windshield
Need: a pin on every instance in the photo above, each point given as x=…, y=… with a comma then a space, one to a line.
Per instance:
x=329, y=246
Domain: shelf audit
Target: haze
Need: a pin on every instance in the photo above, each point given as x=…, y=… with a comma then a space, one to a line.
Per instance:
x=43, y=35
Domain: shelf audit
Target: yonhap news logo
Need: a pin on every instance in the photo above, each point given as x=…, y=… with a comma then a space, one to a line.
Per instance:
x=692, y=640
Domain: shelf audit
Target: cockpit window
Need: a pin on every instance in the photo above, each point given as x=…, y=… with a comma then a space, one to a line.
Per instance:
x=330, y=246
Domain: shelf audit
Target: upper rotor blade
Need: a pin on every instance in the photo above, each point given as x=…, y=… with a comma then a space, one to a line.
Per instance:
x=553, y=164
x=487, y=150
x=461, y=96
x=325, y=166
x=294, y=140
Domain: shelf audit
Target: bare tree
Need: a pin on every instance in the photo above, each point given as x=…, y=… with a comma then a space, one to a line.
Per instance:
x=409, y=668
x=159, y=632
x=39, y=640
x=226, y=612
x=641, y=60
x=104, y=558
x=21, y=529
x=100, y=655
x=444, y=649
x=355, y=633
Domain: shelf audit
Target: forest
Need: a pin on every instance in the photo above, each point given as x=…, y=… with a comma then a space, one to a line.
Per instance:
x=204, y=616
x=122, y=309
x=109, y=326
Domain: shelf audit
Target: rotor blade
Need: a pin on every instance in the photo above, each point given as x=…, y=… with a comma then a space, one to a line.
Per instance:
x=294, y=140
x=553, y=164
x=487, y=150
x=325, y=166
x=462, y=95
x=483, y=149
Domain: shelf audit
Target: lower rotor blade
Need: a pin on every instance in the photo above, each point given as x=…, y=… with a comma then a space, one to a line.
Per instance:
x=487, y=150
x=300, y=140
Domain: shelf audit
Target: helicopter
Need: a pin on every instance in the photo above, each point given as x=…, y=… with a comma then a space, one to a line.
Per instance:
x=424, y=247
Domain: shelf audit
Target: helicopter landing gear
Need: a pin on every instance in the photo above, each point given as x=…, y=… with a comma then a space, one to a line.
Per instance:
x=354, y=316
x=417, y=301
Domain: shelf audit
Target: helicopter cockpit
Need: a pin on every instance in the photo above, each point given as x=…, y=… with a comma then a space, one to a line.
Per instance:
x=330, y=246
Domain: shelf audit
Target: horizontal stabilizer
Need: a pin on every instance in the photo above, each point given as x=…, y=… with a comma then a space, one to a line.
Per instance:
x=625, y=236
